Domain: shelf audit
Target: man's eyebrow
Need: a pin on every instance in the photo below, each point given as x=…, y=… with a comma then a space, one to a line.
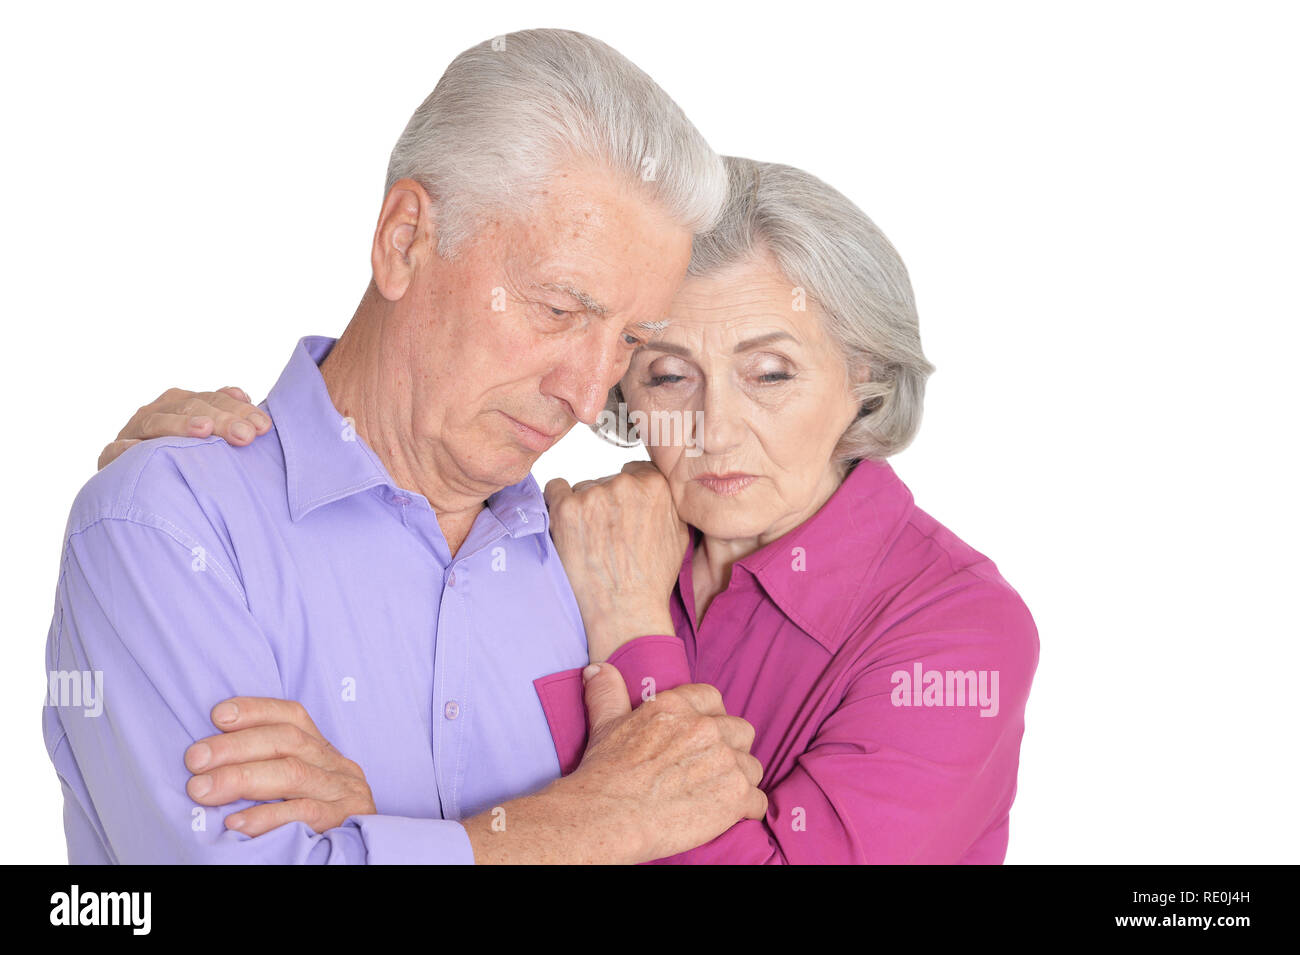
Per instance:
x=587, y=302
x=747, y=345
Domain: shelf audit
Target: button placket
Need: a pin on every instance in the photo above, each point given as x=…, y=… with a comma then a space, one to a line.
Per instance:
x=452, y=650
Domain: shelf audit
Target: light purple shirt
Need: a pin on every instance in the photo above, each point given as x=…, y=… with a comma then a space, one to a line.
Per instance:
x=194, y=571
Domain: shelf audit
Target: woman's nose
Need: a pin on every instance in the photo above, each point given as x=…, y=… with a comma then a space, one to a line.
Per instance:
x=719, y=425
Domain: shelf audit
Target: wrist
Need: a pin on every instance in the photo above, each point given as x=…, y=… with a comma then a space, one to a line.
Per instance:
x=588, y=826
x=607, y=634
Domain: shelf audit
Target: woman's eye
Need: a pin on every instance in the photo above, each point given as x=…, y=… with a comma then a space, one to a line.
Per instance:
x=774, y=376
x=657, y=380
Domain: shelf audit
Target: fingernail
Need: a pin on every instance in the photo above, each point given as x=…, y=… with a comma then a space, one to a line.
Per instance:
x=198, y=756
x=260, y=420
x=235, y=822
x=226, y=712
x=198, y=421
x=242, y=430
x=200, y=786
x=590, y=671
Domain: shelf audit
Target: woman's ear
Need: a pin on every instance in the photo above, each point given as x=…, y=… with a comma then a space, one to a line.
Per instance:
x=859, y=375
x=404, y=237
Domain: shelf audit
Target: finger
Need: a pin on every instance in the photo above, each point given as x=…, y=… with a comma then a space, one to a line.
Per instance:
x=736, y=732
x=272, y=815
x=284, y=778
x=250, y=412
x=241, y=712
x=173, y=401
x=751, y=767
x=237, y=419
x=555, y=489
x=260, y=743
x=592, y=482
x=161, y=424
x=701, y=697
x=113, y=449
x=756, y=805
x=605, y=696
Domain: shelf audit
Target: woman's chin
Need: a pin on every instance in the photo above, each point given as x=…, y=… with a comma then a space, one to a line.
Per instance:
x=725, y=520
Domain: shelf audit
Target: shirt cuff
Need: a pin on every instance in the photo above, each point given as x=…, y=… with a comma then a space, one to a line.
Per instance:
x=649, y=665
x=404, y=840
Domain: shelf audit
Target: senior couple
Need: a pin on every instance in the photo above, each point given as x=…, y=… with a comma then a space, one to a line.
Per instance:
x=346, y=625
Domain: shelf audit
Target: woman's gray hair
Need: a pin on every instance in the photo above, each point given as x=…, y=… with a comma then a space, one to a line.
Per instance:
x=826, y=246
x=509, y=109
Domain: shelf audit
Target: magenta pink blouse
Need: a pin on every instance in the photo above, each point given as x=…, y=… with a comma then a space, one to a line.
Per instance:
x=885, y=665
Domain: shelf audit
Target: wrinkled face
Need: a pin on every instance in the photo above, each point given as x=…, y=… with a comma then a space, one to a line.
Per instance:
x=524, y=331
x=764, y=390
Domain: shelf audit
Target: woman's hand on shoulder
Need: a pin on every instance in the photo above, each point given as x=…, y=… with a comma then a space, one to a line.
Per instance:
x=226, y=412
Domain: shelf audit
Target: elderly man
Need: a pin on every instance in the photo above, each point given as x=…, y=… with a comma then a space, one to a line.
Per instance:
x=386, y=561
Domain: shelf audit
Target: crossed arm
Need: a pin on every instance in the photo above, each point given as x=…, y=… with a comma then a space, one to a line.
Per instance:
x=631, y=800
x=863, y=791
x=650, y=783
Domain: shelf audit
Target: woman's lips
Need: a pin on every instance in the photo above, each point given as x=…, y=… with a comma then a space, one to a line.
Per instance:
x=725, y=484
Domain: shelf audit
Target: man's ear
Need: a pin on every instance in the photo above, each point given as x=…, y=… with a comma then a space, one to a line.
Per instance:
x=404, y=238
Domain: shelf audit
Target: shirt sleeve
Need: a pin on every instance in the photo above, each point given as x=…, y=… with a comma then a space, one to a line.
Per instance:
x=649, y=664
x=150, y=632
x=890, y=778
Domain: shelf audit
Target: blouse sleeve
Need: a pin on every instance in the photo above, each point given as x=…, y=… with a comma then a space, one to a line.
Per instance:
x=892, y=778
x=649, y=665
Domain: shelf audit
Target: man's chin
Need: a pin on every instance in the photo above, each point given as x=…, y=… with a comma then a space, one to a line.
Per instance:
x=512, y=465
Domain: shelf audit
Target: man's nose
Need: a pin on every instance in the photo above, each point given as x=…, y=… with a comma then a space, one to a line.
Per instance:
x=585, y=374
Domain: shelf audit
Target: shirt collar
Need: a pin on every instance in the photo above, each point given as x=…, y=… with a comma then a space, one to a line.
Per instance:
x=521, y=508
x=816, y=572
x=325, y=460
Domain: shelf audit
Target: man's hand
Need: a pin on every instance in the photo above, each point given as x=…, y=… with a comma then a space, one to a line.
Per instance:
x=669, y=776
x=621, y=543
x=271, y=749
x=227, y=412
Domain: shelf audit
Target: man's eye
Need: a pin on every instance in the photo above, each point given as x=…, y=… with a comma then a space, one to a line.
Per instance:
x=559, y=311
x=630, y=339
x=657, y=380
x=775, y=376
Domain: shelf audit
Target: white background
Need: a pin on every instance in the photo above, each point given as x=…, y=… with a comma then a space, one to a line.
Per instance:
x=1097, y=203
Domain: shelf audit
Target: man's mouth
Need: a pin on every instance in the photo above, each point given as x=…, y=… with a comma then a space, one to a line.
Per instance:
x=532, y=437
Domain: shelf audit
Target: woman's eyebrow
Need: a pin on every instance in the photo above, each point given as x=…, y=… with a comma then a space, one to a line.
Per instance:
x=762, y=340
x=747, y=345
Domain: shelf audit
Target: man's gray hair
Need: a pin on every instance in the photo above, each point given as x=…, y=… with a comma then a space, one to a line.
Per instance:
x=827, y=246
x=508, y=110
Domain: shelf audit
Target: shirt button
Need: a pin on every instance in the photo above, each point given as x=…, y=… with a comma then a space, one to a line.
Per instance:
x=451, y=581
x=451, y=710
x=401, y=499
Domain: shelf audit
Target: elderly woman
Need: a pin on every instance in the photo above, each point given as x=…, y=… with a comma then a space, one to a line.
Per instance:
x=772, y=552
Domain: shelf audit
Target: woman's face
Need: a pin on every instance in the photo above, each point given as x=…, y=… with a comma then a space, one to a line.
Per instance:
x=763, y=393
